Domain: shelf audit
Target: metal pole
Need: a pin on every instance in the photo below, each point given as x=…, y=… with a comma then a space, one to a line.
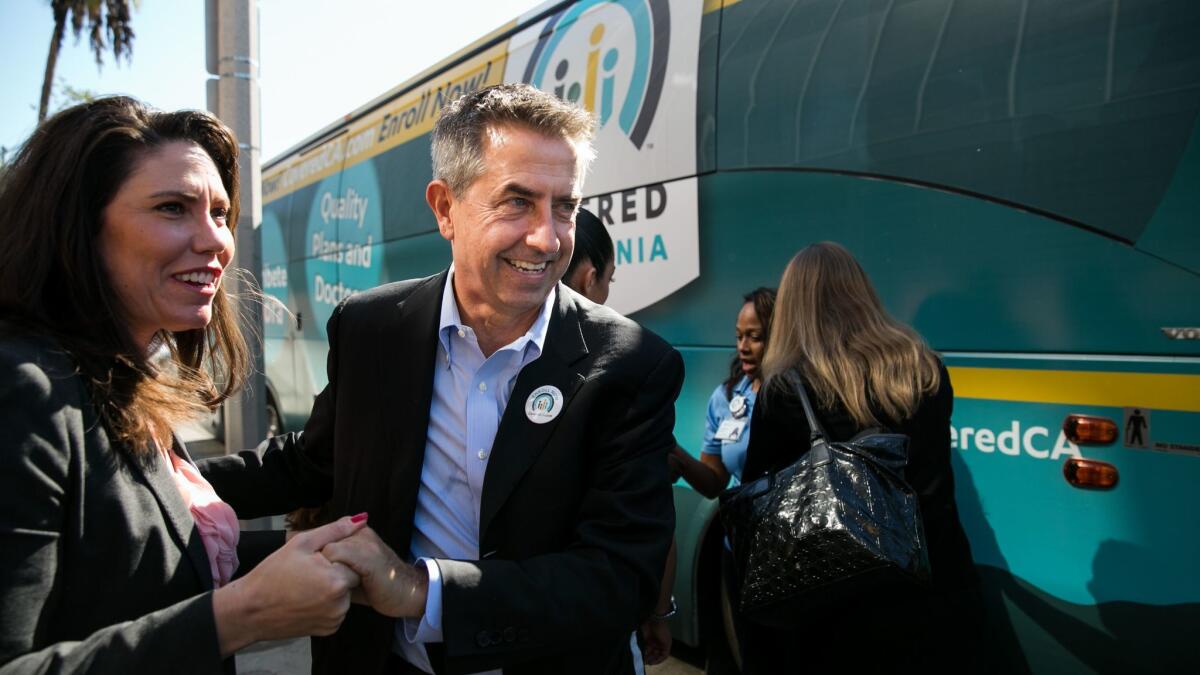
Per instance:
x=233, y=96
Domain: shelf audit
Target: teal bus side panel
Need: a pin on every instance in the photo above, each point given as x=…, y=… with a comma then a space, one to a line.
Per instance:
x=1082, y=546
x=706, y=92
x=1081, y=580
x=403, y=172
x=300, y=267
x=302, y=335
x=319, y=279
x=1030, y=626
x=279, y=334
x=307, y=344
x=704, y=369
x=1033, y=630
x=356, y=213
x=1174, y=232
x=979, y=276
x=417, y=256
x=968, y=274
x=412, y=257
x=1077, y=108
x=356, y=229
x=300, y=205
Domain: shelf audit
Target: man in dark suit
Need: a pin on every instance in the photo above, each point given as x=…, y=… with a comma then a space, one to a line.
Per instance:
x=505, y=435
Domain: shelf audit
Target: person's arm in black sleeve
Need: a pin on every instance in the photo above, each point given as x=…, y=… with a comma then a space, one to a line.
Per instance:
x=254, y=546
x=42, y=446
x=289, y=471
x=929, y=471
x=929, y=442
x=778, y=432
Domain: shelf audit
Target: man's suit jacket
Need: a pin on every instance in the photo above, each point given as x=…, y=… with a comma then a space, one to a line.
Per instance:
x=576, y=514
x=101, y=566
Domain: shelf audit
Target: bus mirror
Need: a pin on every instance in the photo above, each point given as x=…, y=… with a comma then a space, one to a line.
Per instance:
x=1090, y=473
x=1089, y=430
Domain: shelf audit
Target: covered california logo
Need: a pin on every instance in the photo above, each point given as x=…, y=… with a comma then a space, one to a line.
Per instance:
x=583, y=55
x=633, y=64
x=544, y=404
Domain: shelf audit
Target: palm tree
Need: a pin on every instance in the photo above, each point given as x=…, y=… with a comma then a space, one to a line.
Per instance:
x=98, y=17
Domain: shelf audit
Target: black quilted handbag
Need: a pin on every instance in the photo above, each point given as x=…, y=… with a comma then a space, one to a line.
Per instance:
x=839, y=525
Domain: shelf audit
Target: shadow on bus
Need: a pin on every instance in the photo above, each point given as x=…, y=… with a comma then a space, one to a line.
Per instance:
x=1003, y=650
x=1113, y=636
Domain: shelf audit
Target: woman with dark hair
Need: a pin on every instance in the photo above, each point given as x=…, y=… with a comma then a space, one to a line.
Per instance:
x=864, y=369
x=116, y=555
x=727, y=424
x=592, y=267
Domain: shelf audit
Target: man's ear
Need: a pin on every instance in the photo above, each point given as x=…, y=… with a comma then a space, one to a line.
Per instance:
x=440, y=198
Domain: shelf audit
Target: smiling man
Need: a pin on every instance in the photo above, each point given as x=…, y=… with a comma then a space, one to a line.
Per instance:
x=512, y=227
x=507, y=436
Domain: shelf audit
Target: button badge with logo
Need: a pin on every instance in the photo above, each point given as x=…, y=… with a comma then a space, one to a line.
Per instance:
x=544, y=404
x=738, y=406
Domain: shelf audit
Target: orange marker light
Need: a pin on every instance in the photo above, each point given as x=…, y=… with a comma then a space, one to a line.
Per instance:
x=1090, y=473
x=1090, y=430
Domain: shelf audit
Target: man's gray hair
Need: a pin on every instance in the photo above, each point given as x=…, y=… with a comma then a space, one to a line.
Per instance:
x=458, y=134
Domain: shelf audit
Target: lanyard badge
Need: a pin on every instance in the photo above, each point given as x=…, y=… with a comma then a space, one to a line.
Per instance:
x=738, y=406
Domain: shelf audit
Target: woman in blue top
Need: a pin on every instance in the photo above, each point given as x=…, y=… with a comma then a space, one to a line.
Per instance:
x=727, y=424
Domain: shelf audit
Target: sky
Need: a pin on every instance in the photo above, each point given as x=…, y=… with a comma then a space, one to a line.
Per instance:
x=320, y=59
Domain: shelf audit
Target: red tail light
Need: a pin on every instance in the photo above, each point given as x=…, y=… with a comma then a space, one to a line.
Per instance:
x=1090, y=429
x=1090, y=473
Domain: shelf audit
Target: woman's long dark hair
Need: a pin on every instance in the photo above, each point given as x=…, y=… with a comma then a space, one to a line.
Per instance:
x=592, y=242
x=763, y=300
x=53, y=281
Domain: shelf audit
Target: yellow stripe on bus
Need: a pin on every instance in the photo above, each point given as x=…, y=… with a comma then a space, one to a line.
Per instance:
x=397, y=122
x=1118, y=390
x=714, y=5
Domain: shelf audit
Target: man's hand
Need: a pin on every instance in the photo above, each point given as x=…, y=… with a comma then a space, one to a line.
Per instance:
x=293, y=592
x=657, y=637
x=389, y=585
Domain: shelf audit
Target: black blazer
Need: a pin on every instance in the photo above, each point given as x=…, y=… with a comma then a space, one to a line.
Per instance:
x=102, y=569
x=576, y=514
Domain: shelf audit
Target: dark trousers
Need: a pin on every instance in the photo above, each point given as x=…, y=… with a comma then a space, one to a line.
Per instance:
x=398, y=666
x=848, y=641
x=942, y=632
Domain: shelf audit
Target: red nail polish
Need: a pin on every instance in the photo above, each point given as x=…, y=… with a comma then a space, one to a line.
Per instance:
x=359, y=518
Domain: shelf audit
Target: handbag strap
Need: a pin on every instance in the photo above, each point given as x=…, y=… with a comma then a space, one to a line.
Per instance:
x=817, y=432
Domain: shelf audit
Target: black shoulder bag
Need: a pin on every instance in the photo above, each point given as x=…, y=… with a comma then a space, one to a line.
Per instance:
x=837, y=525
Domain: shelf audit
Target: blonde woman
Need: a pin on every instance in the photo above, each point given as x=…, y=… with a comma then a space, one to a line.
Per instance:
x=863, y=369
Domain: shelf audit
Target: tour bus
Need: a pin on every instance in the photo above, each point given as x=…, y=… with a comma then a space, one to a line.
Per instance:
x=1021, y=180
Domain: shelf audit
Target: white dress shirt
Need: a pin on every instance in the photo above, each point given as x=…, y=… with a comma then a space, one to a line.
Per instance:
x=470, y=393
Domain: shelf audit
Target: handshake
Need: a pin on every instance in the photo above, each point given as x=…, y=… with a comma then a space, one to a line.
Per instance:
x=306, y=587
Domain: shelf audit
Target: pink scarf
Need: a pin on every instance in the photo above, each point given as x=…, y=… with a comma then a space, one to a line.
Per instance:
x=214, y=518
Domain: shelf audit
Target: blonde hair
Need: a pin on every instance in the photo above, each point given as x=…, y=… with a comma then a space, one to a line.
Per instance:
x=830, y=325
